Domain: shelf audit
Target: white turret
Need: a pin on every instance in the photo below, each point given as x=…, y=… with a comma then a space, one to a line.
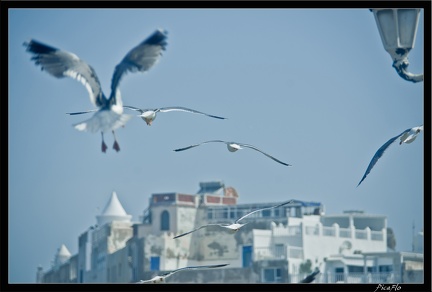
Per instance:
x=113, y=212
x=62, y=256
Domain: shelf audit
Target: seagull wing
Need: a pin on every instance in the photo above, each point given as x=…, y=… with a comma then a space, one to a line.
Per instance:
x=141, y=58
x=309, y=278
x=195, y=145
x=133, y=108
x=184, y=109
x=166, y=275
x=380, y=153
x=194, y=267
x=59, y=64
x=204, y=226
x=282, y=204
x=144, y=281
x=254, y=148
x=79, y=113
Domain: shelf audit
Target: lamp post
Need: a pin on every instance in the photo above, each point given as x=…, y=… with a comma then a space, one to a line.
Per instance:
x=398, y=28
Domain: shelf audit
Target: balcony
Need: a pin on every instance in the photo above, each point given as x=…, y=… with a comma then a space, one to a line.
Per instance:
x=336, y=231
x=277, y=253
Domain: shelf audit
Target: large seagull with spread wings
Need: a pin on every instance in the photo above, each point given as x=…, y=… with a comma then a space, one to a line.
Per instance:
x=109, y=116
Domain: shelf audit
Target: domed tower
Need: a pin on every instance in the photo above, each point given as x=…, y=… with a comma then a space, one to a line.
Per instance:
x=113, y=212
x=113, y=231
x=61, y=256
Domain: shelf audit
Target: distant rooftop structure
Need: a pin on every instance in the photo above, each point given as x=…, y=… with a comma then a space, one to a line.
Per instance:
x=113, y=211
x=62, y=255
x=307, y=204
x=357, y=219
x=213, y=187
x=353, y=212
x=418, y=240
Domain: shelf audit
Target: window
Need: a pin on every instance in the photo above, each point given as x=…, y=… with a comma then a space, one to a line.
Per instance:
x=165, y=220
x=292, y=212
x=272, y=275
x=209, y=214
x=355, y=269
x=266, y=213
x=279, y=251
x=339, y=275
x=298, y=213
x=385, y=269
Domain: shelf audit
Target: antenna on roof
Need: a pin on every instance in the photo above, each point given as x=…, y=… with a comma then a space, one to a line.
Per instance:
x=413, y=234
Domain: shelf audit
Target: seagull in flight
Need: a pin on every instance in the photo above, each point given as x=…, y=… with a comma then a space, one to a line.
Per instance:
x=408, y=136
x=233, y=147
x=162, y=278
x=149, y=115
x=236, y=225
x=109, y=116
x=311, y=277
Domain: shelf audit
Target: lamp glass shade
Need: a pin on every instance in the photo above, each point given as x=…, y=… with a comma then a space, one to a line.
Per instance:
x=397, y=27
x=407, y=25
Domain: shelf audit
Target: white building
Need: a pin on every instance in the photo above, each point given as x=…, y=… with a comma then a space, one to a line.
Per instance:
x=280, y=245
x=327, y=242
x=97, y=247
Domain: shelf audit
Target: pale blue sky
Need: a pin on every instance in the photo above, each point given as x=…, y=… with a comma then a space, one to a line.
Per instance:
x=312, y=87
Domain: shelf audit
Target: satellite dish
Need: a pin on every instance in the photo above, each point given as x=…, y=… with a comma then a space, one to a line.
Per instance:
x=346, y=245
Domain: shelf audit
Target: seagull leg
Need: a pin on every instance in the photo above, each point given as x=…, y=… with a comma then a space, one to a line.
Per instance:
x=104, y=146
x=116, y=145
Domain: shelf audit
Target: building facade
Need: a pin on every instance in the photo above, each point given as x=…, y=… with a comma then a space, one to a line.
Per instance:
x=278, y=245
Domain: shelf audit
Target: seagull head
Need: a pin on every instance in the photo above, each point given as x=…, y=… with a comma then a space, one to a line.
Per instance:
x=411, y=135
x=419, y=129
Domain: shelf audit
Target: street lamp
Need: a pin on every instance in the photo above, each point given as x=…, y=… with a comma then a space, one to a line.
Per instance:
x=398, y=28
